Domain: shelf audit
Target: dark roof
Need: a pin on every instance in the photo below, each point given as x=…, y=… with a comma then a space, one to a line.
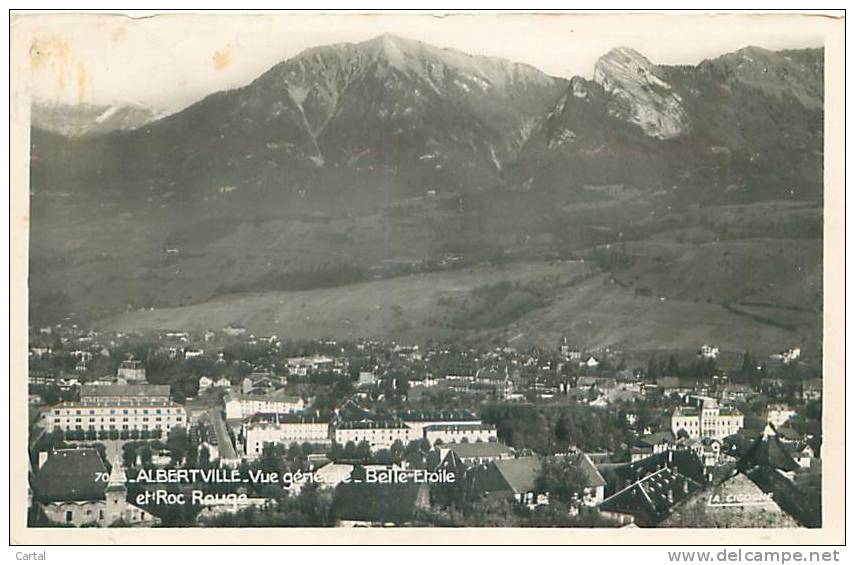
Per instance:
x=651, y=499
x=686, y=462
x=70, y=474
x=767, y=451
x=280, y=418
x=439, y=416
x=656, y=438
x=593, y=476
x=487, y=479
x=519, y=474
x=379, y=503
x=789, y=433
x=478, y=449
x=371, y=425
x=458, y=427
x=796, y=502
x=124, y=390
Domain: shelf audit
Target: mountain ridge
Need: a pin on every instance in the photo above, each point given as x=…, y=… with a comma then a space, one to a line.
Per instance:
x=359, y=162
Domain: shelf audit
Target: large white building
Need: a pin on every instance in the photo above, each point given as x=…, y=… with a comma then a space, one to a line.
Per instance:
x=418, y=420
x=459, y=433
x=240, y=406
x=706, y=420
x=378, y=434
x=285, y=429
x=108, y=393
x=117, y=407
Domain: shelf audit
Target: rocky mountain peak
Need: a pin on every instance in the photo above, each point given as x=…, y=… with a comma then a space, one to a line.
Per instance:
x=639, y=94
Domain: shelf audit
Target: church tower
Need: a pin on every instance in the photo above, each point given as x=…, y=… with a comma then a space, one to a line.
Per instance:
x=116, y=494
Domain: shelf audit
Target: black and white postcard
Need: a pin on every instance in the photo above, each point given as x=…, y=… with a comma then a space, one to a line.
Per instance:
x=547, y=278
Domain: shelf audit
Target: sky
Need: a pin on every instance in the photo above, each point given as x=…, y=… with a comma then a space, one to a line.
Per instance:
x=167, y=62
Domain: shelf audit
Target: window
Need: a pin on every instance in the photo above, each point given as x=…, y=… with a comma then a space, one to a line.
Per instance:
x=69, y=516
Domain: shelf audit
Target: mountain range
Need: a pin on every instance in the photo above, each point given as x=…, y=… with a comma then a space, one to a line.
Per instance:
x=354, y=163
x=90, y=119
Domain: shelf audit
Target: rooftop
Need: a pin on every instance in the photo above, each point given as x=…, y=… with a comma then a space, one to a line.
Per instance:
x=70, y=475
x=278, y=418
x=371, y=425
x=458, y=427
x=124, y=390
x=478, y=449
x=438, y=416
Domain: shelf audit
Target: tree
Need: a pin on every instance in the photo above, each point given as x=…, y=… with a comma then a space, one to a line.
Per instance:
x=272, y=458
x=203, y=457
x=673, y=365
x=295, y=452
x=363, y=451
x=652, y=369
x=383, y=457
x=749, y=366
x=129, y=455
x=562, y=431
x=402, y=386
x=562, y=479
x=397, y=451
x=177, y=442
x=192, y=456
x=146, y=456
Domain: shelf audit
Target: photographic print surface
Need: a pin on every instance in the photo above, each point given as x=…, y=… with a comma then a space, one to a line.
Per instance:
x=548, y=273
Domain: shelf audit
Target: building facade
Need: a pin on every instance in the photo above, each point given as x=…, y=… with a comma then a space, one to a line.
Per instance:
x=240, y=406
x=117, y=407
x=707, y=420
x=285, y=429
x=378, y=434
x=459, y=433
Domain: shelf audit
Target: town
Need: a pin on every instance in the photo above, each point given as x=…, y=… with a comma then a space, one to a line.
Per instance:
x=227, y=428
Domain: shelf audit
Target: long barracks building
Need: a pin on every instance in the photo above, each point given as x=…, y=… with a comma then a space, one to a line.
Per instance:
x=117, y=407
